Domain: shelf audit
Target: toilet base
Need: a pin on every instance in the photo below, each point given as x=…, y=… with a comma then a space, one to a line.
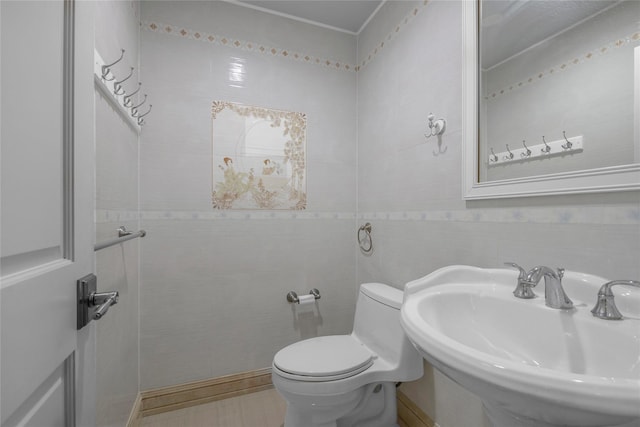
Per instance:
x=378, y=409
x=371, y=406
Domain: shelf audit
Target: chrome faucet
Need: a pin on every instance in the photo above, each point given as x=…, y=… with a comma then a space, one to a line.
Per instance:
x=606, y=308
x=554, y=295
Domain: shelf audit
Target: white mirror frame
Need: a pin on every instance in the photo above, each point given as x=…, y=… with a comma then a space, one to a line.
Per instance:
x=607, y=179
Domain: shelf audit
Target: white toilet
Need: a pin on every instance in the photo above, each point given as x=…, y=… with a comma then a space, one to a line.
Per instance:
x=350, y=380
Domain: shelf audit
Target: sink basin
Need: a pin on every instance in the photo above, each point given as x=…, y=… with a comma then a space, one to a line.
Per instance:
x=531, y=365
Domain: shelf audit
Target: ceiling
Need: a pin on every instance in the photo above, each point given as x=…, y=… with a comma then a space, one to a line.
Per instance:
x=344, y=15
x=509, y=27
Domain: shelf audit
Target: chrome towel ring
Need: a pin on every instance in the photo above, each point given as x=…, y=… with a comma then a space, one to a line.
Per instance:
x=362, y=241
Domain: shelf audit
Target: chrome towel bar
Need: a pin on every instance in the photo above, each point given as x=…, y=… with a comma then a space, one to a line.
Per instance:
x=123, y=236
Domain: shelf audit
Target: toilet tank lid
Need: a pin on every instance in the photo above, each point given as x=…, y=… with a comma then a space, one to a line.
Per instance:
x=382, y=293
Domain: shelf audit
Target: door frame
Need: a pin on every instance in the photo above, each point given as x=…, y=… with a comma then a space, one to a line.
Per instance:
x=84, y=210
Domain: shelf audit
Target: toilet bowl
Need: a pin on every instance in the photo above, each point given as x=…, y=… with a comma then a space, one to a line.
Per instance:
x=350, y=380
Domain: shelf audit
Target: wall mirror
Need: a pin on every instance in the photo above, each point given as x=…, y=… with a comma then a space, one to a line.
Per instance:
x=258, y=159
x=551, y=97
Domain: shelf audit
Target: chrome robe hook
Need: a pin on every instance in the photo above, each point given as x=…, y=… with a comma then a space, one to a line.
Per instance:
x=546, y=148
x=436, y=126
x=510, y=155
x=569, y=144
x=127, y=99
x=140, y=117
x=117, y=86
x=527, y=152
x=493, y=157
x=107, y=67
x=134, y=109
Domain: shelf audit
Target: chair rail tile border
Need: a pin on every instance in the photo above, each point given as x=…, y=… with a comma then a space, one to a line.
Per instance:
x=604, y=215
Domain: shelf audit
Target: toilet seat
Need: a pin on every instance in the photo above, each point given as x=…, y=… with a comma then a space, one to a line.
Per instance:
x=323, y=359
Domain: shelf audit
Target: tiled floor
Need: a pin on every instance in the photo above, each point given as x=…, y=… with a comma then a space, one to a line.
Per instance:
x=261, y=409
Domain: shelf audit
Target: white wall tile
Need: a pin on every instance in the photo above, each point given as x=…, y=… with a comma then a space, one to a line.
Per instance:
x=226, y=281
x=185, y=77
x=215, y=280
x=413, y=198
x=117, y=267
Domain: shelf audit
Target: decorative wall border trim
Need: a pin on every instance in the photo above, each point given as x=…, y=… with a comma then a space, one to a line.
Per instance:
x=102, y=216
x=244, y=215
x=274, y=51
x=392, y=35
x=583, y=58
x=606, y=215
x=248, y=46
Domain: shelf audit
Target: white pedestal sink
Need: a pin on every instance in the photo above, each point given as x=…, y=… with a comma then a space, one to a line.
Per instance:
x=530, y=364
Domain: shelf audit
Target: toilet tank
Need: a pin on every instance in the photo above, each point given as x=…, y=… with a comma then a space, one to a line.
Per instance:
x=377, y=325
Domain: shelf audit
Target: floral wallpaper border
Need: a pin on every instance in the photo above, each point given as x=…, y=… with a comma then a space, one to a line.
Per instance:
x=568, y=64
x=392, y=35
x=247, y=46
x=604, y=215
x=274, y=51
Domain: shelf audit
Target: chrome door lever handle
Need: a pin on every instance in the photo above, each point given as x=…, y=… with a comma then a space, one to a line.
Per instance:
x=103, y=300
x=91, y=304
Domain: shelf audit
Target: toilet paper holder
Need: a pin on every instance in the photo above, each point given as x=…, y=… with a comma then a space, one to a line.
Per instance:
x=292, y=296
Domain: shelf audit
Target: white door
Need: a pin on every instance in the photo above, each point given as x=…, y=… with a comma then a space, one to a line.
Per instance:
x=46, y=364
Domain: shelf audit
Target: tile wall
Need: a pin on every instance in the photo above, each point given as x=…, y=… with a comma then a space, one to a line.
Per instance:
x=214, y=281
x=116, y=204
x=410, y=189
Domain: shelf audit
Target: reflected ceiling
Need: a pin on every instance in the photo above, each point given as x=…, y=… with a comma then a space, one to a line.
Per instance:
x=533, y=20
x=346, y=15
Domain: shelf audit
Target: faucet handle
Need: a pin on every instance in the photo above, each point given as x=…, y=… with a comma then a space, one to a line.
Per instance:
x=605, y=307
x=560, y=271
x=523, y=290
x=523, y=273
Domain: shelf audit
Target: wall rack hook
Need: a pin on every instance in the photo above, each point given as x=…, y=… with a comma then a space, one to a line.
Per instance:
x=117, y=86
x=546, y=148
x=141, y=117
x=527, y=152
x=569, y=144
x=510, y=155
x=493, y=157
x=115, y=92
x=134, y=109
x=127, y=98
x=106, y=68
